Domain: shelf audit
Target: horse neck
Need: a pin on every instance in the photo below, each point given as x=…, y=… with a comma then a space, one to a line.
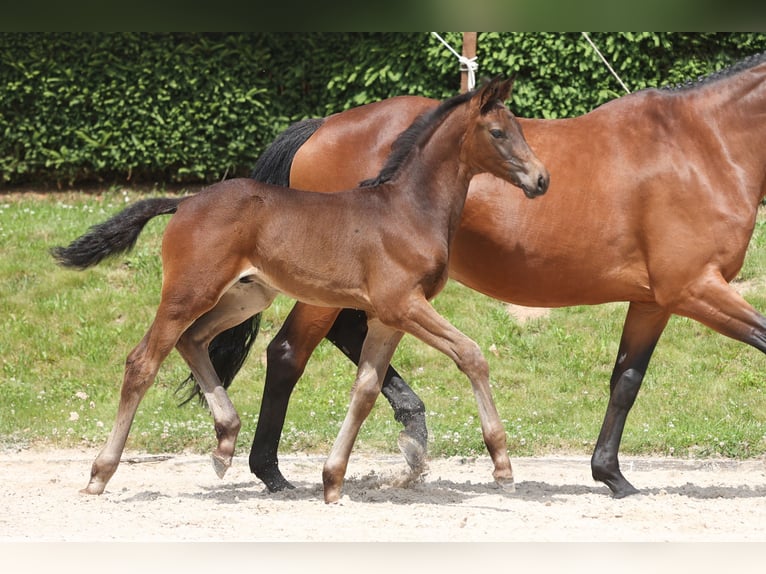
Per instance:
x=737, y=107
x=437, y=175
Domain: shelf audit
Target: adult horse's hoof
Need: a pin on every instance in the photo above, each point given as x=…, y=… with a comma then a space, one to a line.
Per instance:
x=615, y=480
x=275, y=482
x=624, y=489
x=414, y=453
x=221, y=464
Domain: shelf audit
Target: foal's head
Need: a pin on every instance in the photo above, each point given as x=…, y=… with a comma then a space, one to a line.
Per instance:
x=496, y=143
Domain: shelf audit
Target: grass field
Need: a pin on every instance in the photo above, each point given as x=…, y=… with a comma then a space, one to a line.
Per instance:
x=65, y=334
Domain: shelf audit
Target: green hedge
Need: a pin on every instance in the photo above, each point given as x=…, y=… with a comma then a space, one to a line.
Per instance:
x=192, y=107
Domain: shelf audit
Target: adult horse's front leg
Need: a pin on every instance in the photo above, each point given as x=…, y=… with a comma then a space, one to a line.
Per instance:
x=379, y=346
x=643, y=326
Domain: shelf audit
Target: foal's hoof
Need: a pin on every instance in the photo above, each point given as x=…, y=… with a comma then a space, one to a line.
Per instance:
x=221, y=464
x=90, y=489
x=332, y=491
x=94, y=487
x=332, y=482
x=507, y=484
x=414, y=453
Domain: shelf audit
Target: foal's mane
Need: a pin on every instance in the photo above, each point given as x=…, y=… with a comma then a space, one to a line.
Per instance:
x=735, y=68
x=414, y=136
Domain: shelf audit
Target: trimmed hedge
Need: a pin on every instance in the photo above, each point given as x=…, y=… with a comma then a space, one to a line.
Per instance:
x=193, y=108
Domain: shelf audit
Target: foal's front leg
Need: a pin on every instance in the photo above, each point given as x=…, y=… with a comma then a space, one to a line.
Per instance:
x=426, y=324
x=379, y=346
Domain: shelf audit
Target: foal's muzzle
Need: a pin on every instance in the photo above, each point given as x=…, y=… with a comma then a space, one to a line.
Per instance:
x=536, y=184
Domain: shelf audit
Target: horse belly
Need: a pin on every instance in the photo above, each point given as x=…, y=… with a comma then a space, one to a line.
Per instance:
x=540, y=253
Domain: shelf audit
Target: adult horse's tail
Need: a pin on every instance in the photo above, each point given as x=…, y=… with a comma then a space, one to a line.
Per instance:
x=114, y=236
x=229, y=349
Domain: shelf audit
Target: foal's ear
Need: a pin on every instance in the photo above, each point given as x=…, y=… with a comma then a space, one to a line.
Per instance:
x=496, y=91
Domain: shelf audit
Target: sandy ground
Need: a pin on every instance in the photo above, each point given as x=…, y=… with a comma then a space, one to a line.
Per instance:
x=179, y=498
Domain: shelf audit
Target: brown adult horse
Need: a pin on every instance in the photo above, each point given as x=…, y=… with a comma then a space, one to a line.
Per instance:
x=654, y=200
x=383, y=248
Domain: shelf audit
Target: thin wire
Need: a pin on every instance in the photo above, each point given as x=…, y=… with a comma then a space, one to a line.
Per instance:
x=470, y=63
x=605, y=62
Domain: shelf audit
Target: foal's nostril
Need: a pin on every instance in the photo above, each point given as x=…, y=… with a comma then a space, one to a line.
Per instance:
x=542, y=183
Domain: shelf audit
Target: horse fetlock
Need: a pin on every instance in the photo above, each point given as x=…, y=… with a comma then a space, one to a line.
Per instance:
x=415, y=427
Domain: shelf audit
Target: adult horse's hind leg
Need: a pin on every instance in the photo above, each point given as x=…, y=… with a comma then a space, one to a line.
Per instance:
x=287, y=355
x=644, y=324
x=379, y=346
x=286, y=358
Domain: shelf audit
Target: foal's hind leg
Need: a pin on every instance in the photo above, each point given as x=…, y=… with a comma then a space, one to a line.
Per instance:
x=241, y=301
x=643, y=326
x=140, y=370
x=379, y=346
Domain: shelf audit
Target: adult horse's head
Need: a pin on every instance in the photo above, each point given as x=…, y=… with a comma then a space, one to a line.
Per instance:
x=497, y=144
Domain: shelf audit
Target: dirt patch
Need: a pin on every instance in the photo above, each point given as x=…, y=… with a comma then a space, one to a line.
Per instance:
x=179, y=498
x=523, y=314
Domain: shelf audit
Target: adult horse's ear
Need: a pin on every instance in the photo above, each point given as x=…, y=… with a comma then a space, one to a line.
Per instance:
x=496, y=91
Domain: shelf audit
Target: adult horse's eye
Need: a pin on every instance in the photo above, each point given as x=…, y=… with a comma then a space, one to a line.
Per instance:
x=497, y=134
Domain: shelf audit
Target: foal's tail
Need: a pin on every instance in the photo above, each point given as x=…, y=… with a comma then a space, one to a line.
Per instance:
x=114, y=236
x=229, y=349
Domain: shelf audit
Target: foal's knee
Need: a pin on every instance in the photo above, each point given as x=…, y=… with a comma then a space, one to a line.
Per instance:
x=471, y=361
x=366, y=388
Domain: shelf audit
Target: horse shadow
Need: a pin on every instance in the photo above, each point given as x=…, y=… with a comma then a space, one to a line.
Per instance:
x=375, y=490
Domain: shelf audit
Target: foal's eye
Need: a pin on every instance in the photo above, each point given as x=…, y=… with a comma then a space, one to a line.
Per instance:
x=497, y=134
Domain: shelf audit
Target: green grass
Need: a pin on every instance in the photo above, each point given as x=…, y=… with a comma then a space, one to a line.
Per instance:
x=64, y=336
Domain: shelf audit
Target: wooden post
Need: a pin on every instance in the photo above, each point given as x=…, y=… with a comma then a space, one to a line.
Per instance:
x=469, y=51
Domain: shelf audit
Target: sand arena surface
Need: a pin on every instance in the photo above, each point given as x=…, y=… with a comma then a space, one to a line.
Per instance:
x=178, y=498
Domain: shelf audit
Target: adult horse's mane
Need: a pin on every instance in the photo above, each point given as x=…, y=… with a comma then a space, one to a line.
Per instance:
x=737, y=67
x=418, y=133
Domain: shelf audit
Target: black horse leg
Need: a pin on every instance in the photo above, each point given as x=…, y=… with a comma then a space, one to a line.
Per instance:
x=287, y=355
x=348, y=333
x=286, y=358
x=643, y=326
